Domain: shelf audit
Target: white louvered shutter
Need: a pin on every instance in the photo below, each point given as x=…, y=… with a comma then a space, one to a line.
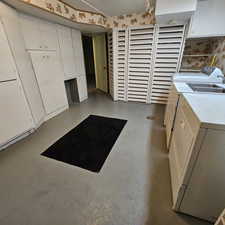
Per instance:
x=168, y=50
x=120, y=48
x=110, y=64
x=140, y=53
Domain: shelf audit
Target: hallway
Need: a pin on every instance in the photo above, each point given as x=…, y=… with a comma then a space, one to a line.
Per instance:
x=133, y=187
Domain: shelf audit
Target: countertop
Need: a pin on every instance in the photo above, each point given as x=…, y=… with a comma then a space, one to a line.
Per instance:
x=182, y=87
x=208, y=108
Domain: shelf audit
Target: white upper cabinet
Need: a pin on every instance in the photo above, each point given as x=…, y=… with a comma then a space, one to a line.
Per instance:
x=49, y=75
x=208, y=20
x=48, y=35
x=66, y=52
x=15, y=115
x=7, y=67
x=31, y=32
x=78, y=52
x=38, y=34
x=174, y=11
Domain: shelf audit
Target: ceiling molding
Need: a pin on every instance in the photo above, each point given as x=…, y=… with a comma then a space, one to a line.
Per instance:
x=83, y=10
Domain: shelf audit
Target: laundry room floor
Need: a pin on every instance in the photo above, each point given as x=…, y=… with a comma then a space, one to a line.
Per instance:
x=132, y=188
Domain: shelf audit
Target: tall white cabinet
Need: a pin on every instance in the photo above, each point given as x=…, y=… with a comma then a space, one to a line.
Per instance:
x=78, y=53
x=41, y=39
x=32, y=70
x=50, y=80
x=66, y=52
x=16, y=118
x=22, y=62
x=72, y=58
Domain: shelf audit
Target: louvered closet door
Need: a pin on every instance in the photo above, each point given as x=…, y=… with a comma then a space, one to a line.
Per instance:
x=110, y=64
x=120, y=63
x=141, y=40
x=168, y=50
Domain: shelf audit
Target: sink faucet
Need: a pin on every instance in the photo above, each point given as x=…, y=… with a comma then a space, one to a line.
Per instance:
x=223, y=78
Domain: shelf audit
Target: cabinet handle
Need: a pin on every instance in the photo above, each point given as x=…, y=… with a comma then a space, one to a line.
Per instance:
x=182, y=124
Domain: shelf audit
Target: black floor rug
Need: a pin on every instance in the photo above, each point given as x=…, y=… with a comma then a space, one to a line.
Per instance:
x=88, y=144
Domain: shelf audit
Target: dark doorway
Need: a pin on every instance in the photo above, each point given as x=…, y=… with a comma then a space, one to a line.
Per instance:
x=89, y=62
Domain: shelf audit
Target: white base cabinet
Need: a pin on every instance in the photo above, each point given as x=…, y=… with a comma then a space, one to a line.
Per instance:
x=50, y=80
x=197, y=156
x=15, y=115
x=170, y=113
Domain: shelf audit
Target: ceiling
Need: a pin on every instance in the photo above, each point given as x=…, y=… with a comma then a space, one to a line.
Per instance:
x=109, y=7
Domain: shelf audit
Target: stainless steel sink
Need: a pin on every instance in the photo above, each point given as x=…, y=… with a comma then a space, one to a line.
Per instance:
x=206, y=88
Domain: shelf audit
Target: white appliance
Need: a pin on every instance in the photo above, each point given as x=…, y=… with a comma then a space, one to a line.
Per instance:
x=197, y=156
x=208, y=75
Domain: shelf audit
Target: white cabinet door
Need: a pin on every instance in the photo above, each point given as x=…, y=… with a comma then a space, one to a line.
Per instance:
x=48, y=35
x=38, y=34
x=78, y=52
x=31, y=31
x=170, y=114
x=208, y=20
x=10, y=19
x=50, y=79
x=7, y=66
x=66, y=51
x=15, y=115
x=82, y=88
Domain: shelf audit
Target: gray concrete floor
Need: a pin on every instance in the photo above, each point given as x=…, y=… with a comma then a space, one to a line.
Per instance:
x=133, y=187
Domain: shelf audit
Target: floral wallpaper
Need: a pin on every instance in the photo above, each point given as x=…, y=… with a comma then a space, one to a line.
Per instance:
x=219, y=50
x=134, y=19
x=196, y=47
x=59, y=8
x=210, y=46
